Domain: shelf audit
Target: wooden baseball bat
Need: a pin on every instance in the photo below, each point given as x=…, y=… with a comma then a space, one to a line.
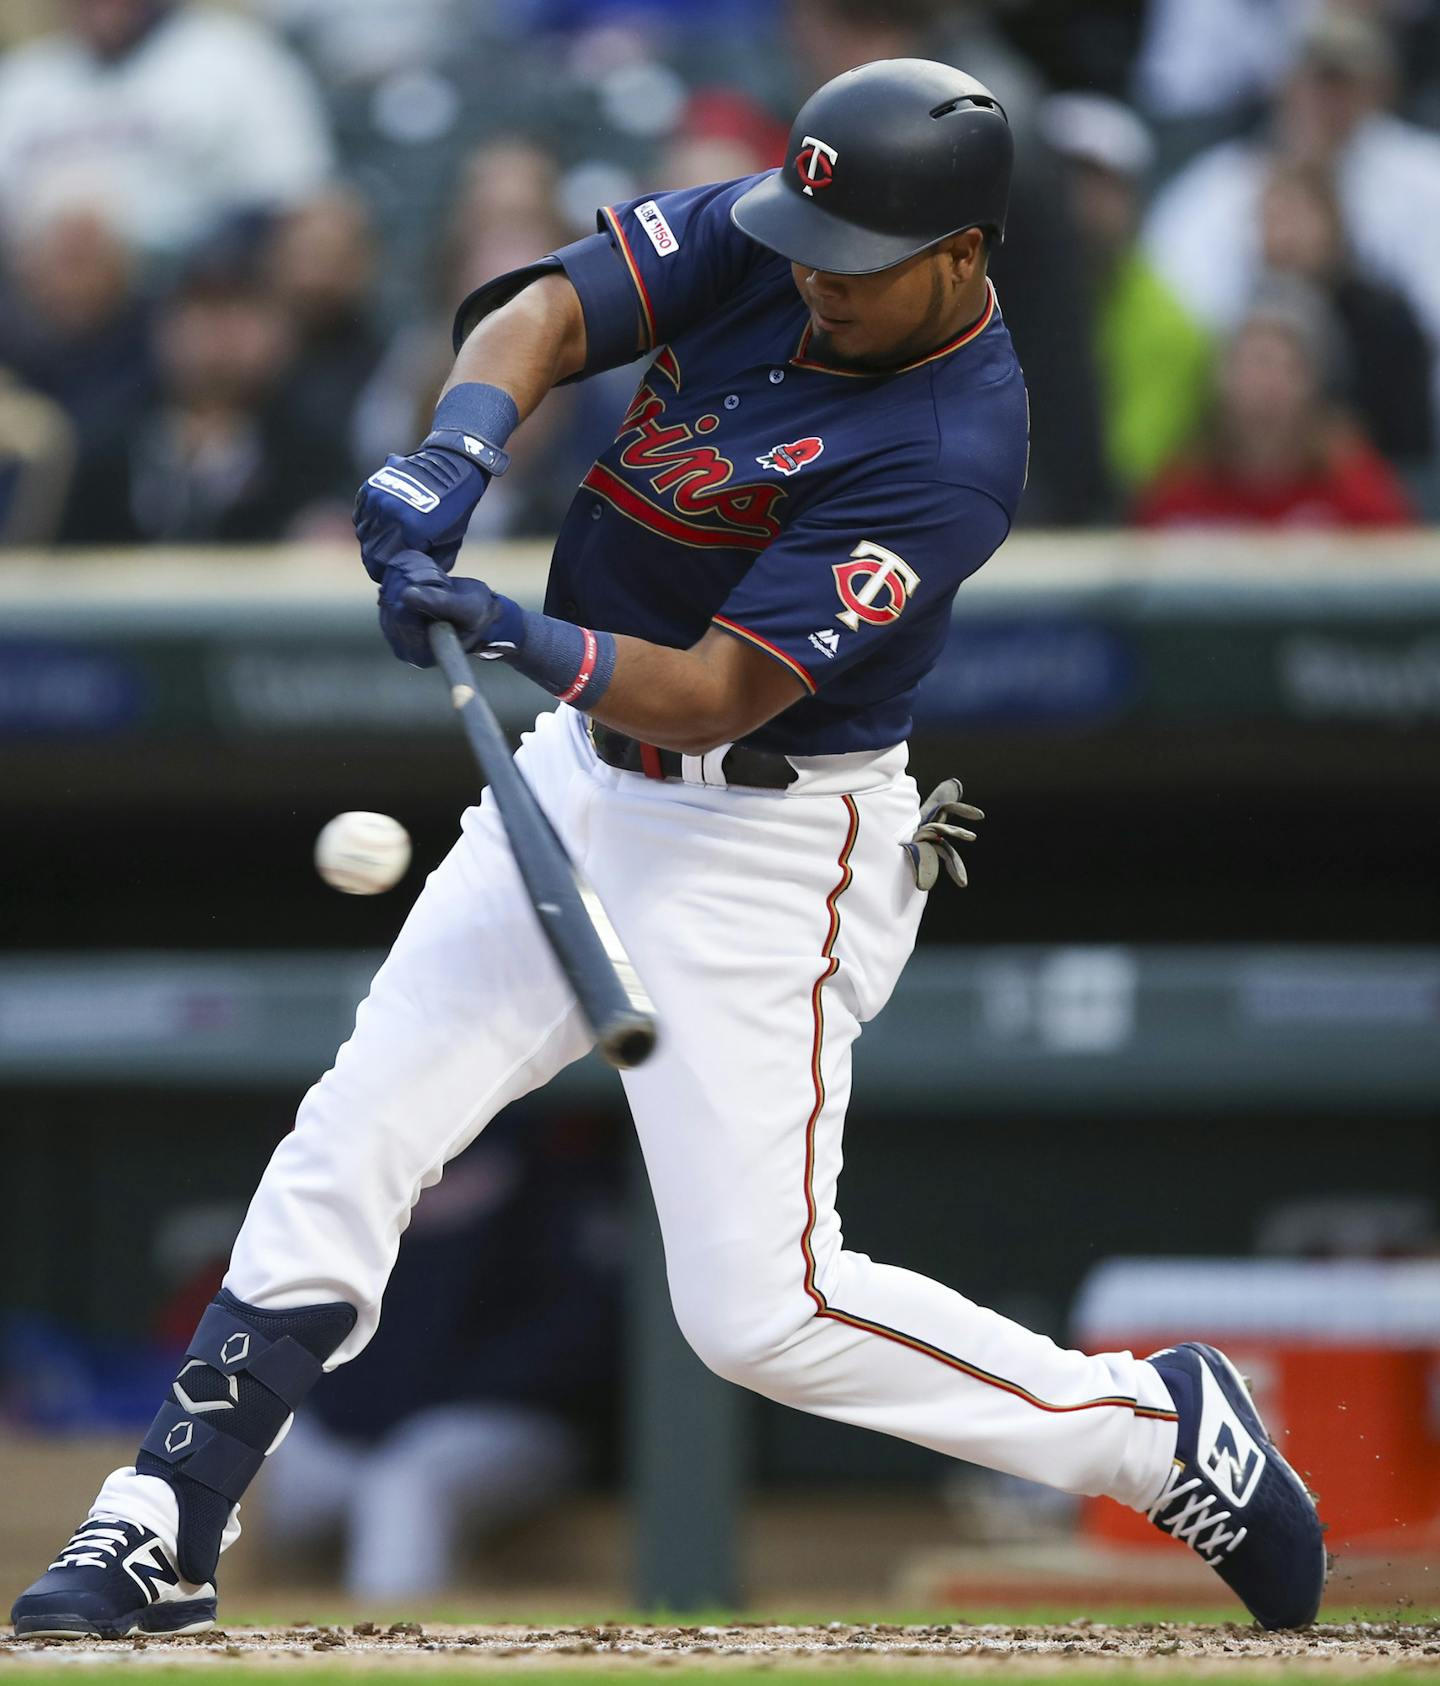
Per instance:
x=576, y=926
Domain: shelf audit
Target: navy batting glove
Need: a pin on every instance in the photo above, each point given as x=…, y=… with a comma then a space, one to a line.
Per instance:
x=416, y=591
x=405, y=631
x=424, y=501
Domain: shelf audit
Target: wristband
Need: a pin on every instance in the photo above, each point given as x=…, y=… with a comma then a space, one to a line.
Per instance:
x=474, y=420
x=571, y=662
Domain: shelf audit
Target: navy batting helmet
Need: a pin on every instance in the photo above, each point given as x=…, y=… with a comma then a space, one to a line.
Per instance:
x=883, y=161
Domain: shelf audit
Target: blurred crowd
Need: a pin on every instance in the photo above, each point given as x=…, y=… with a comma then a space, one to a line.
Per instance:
x=232, y=237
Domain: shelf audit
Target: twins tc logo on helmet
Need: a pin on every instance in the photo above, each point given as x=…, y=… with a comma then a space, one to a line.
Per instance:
x=874, y=585
x=816, y=163
x=792, y=457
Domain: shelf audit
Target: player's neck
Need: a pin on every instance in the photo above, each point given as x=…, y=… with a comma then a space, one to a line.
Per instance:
x=972, y=300
x=962, y=311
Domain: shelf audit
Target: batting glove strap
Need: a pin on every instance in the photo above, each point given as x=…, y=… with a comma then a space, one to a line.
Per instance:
x=472, y=447
x=476, y=419
x=933, y=843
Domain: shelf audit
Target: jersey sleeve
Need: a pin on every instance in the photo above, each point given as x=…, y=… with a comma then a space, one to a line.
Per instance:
x=850, y=574
x=656, y=267
x=681, y=255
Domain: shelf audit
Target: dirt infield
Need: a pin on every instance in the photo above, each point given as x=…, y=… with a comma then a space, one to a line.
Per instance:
x=1340, y=1648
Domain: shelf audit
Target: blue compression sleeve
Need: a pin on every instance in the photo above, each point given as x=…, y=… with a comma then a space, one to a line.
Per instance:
x=571, y=662
x=476, y=407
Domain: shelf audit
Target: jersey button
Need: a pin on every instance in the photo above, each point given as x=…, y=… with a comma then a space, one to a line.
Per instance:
x=594, y=511
x=776, y=376
x=732, y=402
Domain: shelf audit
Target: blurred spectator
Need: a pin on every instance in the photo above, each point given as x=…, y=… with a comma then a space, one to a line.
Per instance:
x=1152, y=356
x=172, y=116
x=504, y=215
x=1204, y=232
x=505, y=212
x=722, y=134
x=1278, y=453
x=21, y=20
x=1223, y=59
x=1033, y=271
x=1388, y=357
x=320, y=265
x=1077, y=43
x=492, y=1375
x=694, y=15
x=37, y=453
x=73, y=327
x=829, y=37
x=213, y=459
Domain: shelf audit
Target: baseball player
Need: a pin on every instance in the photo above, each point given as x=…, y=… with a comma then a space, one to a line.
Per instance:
x=749, y=586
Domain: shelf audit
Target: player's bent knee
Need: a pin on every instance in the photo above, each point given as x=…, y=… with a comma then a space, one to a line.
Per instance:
x=749, y=1353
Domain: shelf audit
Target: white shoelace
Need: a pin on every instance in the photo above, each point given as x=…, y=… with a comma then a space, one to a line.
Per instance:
x=91, y=1547
x=1189, y=1524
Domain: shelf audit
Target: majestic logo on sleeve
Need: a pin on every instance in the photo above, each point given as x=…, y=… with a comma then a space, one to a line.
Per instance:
x=874, y=585
x=791, y=458
x=697, y=504
x=816, y=163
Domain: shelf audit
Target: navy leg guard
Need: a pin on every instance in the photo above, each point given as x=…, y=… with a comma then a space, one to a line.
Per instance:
x=244, y=1373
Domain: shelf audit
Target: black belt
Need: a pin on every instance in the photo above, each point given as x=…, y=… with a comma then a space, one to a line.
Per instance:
x=761, y=769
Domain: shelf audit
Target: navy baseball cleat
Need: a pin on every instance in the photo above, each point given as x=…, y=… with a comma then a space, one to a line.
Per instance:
x=114, y=1578
x=1232, y=1498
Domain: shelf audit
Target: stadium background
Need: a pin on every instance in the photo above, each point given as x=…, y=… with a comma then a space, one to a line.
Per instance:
x=1186, y=1013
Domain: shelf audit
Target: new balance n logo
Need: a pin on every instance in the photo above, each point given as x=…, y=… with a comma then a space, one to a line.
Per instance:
x=1230, y=1465
x=1224, y=1448
x=148, y=1568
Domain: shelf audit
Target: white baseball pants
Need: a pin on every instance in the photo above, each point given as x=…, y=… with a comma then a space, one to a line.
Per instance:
x=768, y=926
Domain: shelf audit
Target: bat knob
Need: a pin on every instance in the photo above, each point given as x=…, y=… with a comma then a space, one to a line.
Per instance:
x=627, y=1041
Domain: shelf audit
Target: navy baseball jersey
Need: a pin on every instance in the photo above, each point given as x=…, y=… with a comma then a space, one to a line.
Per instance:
x=824, y=515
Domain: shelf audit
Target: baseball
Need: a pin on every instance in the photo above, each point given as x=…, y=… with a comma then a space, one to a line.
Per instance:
x=362, y=854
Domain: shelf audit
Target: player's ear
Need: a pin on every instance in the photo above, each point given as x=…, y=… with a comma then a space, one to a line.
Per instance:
x=964, y=254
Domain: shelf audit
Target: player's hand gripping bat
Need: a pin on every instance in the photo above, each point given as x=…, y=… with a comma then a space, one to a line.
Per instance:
x=576, y=926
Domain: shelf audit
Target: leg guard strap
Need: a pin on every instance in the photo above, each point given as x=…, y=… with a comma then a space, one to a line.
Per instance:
x=245, y=1372
x=190, y=1447
x=232, y=1348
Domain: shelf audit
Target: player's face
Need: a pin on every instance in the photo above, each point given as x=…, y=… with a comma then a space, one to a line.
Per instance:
x=883, y=320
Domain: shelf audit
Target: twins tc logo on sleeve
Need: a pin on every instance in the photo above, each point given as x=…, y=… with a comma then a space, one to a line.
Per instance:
x=874, y=585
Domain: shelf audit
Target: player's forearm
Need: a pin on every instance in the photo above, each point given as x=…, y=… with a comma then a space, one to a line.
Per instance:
x=526, y=346
x=717, y=691
x=676, y=699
